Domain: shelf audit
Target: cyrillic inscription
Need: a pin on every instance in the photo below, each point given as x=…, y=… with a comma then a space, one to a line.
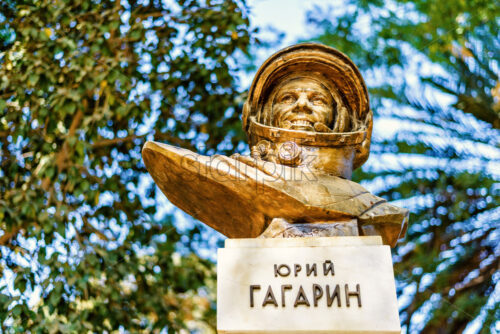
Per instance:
x=305, y=296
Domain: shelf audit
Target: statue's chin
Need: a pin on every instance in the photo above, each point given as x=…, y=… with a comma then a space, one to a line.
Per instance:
x=302, y=128
x=317, y=127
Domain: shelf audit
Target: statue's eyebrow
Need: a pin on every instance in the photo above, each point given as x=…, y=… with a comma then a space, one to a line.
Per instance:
x=288, y=91
x=319, y=94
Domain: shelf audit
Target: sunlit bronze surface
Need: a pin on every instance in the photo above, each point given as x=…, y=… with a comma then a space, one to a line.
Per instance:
x=241, y=197
x=309, y=126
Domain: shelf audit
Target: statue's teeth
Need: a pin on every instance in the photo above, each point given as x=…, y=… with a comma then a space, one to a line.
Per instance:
x=301, y=122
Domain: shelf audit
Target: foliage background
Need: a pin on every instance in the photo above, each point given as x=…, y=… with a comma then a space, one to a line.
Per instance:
x=84, y=83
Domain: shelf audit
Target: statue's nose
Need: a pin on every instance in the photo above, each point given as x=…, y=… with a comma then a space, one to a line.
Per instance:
x=303, y=104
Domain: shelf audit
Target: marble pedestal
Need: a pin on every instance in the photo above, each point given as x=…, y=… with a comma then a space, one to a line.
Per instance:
x=306, y=285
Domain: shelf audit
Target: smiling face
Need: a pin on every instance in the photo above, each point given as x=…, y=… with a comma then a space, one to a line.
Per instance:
x=303, y=104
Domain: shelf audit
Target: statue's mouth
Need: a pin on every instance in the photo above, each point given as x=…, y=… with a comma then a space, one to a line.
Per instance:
x=304, y=124
x=301, y=123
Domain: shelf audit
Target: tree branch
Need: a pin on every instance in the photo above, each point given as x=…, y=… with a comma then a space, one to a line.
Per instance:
x=62, y=155
x=109, y=142
x=7, y=235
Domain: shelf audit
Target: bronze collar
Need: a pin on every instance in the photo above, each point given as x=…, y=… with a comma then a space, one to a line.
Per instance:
x=307, y=138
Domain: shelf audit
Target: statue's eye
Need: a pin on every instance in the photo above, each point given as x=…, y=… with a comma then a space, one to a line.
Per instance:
x=288, y=99
x=318, y=101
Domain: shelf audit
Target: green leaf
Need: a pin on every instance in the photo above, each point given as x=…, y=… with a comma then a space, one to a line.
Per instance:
x=33, y=79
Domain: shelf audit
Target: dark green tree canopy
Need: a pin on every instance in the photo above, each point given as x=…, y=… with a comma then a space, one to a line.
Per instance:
x=432, y=67
x=82, y=85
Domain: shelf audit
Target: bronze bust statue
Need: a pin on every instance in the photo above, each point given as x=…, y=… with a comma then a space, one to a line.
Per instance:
x=309, y=126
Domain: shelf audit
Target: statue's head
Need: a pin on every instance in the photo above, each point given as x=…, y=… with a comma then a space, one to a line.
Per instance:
x=308, y=106
x=302, y=103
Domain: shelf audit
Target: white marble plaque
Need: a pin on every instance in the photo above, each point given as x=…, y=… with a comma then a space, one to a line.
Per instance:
x=343, y=285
